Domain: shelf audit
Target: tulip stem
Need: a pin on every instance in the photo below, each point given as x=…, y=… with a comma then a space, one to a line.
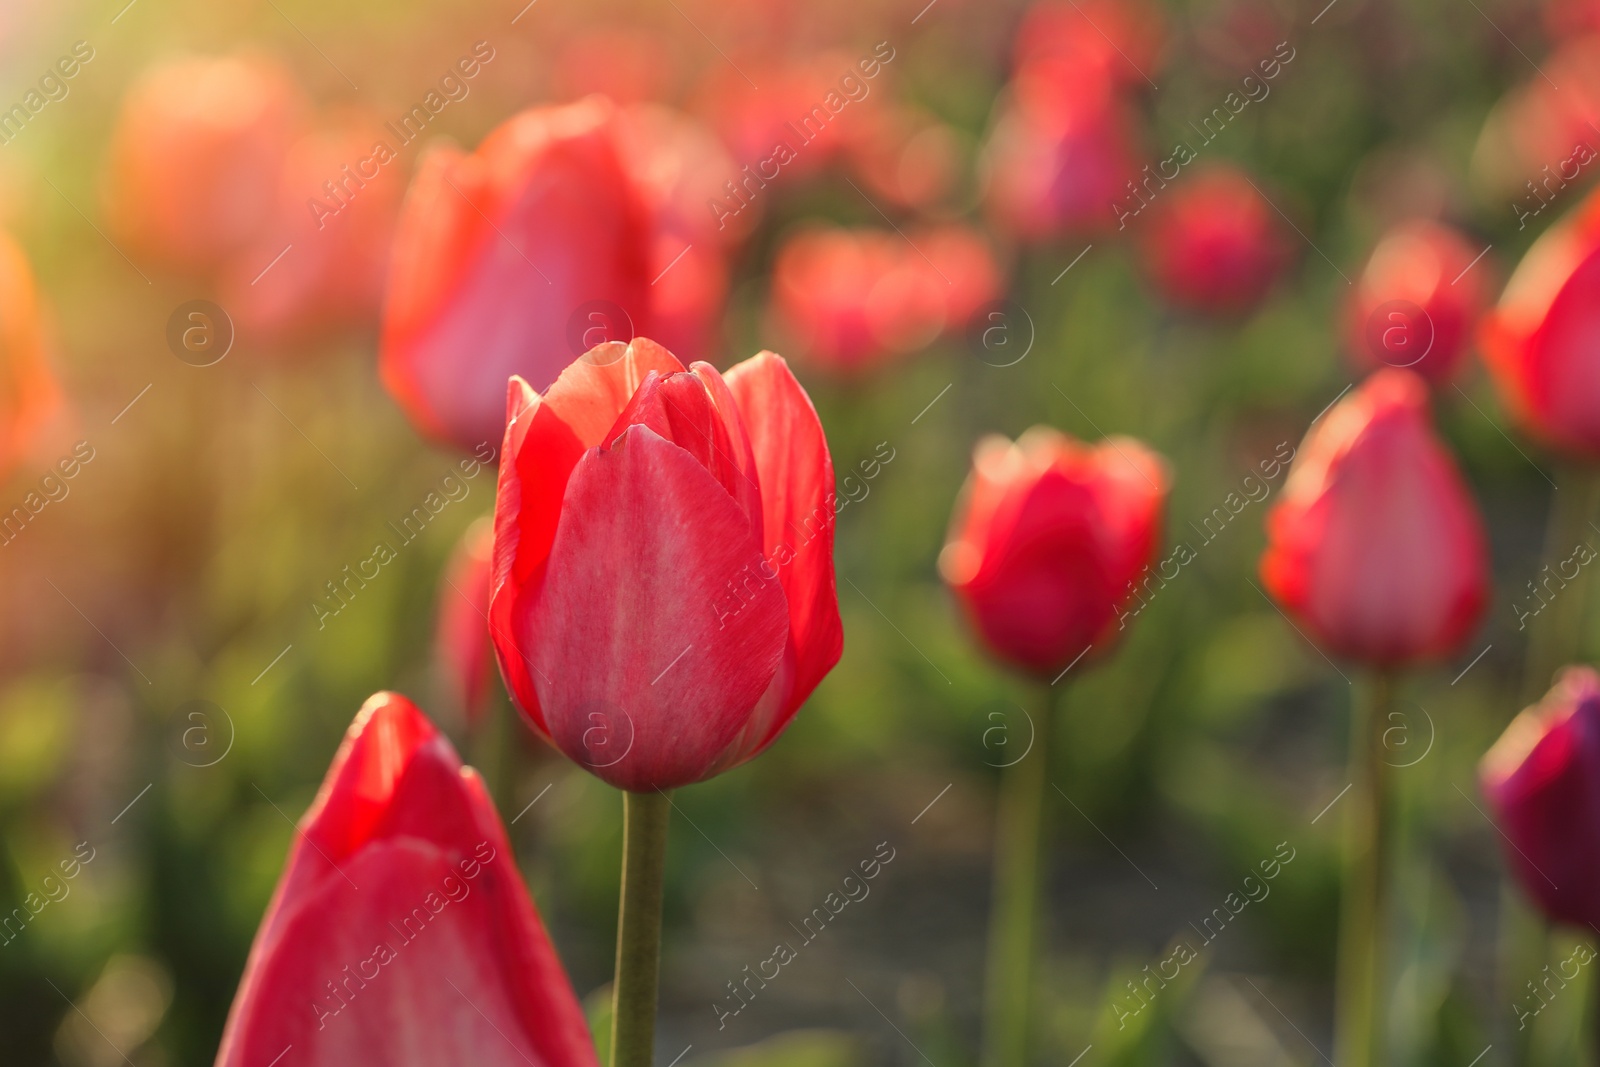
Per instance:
x=1013, y=923
x=644, y=853
x=1359, y=1027
x=1555, y=637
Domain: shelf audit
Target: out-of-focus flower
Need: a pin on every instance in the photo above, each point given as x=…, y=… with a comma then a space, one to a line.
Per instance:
x=1540, y=139
x=663, y=597
x=1047, y=541
x=857, y=298
x=791, y=108
x=461, y=637
x=1542, y=780
x=1416, y=304
x=401, y=931
x=1567, y=19
x=1057, y=166
x=29, y=394
x=196, y=157
x=683, y=169
x=906, y=156
x=1375, y=545
x=1214, y=244
x=1117, y=41
x=1542, y=342
x=338, y=195
x=513, y=259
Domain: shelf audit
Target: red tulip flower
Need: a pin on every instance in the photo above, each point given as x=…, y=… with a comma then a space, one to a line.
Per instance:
x=1375, y=545
x=1542, y=780
x=1215, y=244
x=29, y=394
x=401, y=931
x=663, y=596
x=1057, y=161
x=1048, y=540
x=1417, y=302
x=196, y=157
x=1542, y=343
x=514, y=259
x=461, y=636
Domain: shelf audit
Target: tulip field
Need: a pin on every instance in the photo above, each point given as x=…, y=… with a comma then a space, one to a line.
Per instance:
x=693, y=534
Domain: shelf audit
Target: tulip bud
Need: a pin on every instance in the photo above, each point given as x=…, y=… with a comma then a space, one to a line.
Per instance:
x=401, y=930
x=1417, y=302
x=1375, y=545
x=1048, y=540
x=1540, y=342
x=1542, y=781
x=196, y=156
x=663, y=597
x=461, y=637
x=1057, y=162
x=1214, y=243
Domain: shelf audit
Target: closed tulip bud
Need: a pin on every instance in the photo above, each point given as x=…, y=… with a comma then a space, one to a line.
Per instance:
x=196, y=157
x=1417, y=302
x=514, y=259
x=1215, y=244
x=663, y=595
x=1056, y=161
x=1542, y=781
x=461, y=636
x=1048, y=540
x=30, y=398
x=1375, y=545
x=401, y=931
x=1542, y=343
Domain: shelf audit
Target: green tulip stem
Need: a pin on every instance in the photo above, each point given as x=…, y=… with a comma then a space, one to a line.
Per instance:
x=1359, y=1028
x=1013, y=919
x=1555, y=633
x=644, y=854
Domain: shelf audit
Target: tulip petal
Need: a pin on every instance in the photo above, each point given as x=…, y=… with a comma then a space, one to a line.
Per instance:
x=544, y=438
x=796, y=475
x=401, y=932
x=639, y=678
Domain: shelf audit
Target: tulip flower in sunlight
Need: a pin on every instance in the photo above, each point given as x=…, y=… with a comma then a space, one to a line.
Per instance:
x=1417, y=303
x=1375, y=545
x=663, y=594
x=514, y=259
x=1376, y=548
x=857, y=299
x=1542, y=342
x=196, y=156
x=1045, y=546
x=29, y=394
x=662, y=599
x=461, y=634
x=1542, y=780
x=1214, y=243
x=401, y=932
x=1048, y=540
